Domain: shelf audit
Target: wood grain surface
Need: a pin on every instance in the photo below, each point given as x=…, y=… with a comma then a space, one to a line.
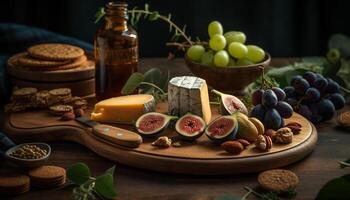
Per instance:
x=135, y=184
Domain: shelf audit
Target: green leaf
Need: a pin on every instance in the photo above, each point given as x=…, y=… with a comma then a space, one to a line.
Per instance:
x=132, y=83
x=78, y=173
x=151, y=76
x=283, y=75
x=99, y=14
x=154, y=16
x=316, y=60
x=104, y=186
x=338, y=188
x=164, y=81
x=330, y=70
x=110, y=170
x=340, y=42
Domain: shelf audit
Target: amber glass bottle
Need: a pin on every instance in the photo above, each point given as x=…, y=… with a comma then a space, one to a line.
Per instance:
x=116, y=51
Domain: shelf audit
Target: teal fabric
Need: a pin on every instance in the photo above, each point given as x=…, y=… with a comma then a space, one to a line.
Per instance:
x=15, y=38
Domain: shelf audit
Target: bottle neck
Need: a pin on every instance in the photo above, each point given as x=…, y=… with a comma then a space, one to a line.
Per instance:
x=116, y=16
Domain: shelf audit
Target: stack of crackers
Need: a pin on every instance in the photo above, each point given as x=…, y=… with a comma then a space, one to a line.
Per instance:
x=14, y=184
x=50, y=57
x=27, y=98
x=47, y=177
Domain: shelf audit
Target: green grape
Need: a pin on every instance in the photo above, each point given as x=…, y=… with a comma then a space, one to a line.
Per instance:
x=207, y=58
x=231, y=62
x=237, y=50
x=255, y=53
x=217, y=42
x=235, y=36
x=221, y=58
x=215, y=28
x=195, y=52
x=333, y=56
x=244, y=62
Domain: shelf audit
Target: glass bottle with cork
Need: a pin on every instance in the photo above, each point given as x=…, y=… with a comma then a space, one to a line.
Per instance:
x=116, y=51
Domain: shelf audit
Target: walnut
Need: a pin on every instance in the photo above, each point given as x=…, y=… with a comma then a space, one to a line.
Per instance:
x=284, y=136
x=163, y=141
x=263, y=142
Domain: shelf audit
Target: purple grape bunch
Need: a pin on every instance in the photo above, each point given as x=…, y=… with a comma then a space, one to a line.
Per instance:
x=270, y=107
x=314, y=96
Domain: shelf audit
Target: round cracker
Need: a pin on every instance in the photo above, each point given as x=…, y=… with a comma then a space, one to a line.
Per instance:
x=60, y=109
x=47, y=172
x=13, y=180
x=76, y=63
x=55, y=51
x=278, y=180
x=24, y=92
x=60, y=92
x=26, y=60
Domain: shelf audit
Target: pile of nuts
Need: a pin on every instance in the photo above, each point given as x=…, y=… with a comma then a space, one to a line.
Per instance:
x=264, y=142
x=29, y=152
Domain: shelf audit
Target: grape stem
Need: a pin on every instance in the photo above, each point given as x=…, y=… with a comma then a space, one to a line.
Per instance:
x=347, y=91
x=179, y=30
x=217, y=92
x=184, y=45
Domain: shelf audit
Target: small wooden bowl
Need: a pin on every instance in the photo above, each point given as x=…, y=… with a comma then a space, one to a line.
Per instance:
x=29, y=163
x=231, y=80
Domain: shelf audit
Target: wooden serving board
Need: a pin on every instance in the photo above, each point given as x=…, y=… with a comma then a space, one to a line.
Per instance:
x=199, y=157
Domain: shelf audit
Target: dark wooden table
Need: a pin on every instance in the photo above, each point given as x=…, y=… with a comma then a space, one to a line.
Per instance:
x=136, y=184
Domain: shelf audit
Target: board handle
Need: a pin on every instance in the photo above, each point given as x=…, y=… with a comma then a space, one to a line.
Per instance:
x=117, y=135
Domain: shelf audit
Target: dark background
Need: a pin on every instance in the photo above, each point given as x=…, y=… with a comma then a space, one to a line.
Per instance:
x=281, y=27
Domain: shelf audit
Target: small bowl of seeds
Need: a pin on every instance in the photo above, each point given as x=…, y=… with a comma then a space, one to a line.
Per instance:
x=29, y=154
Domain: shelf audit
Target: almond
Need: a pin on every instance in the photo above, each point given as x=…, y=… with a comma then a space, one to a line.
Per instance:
x=293, y=124
x=233, y=147
x=68, y=116
x=295, y=129
x=244, y=142
x=79, y=112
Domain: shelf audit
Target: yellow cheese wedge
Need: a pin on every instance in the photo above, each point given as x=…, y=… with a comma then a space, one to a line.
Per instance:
x=124, y=109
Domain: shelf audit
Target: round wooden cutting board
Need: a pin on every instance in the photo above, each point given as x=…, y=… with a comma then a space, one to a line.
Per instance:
x=199, y=157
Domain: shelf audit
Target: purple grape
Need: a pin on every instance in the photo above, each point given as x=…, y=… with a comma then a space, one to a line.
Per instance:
x=300, y=86
x=325, y=109
x=305, y=111
x=290, y=91
x=332, y=87
x=281, y=95
x=258, y=112
x=310, y=77
x=294, y=78
x=320, y=84
x=272, y=119
x=284, y=109
x=256, y=96
x=338, y=100
x=292, y=101
x=269, y=99
x=312, y=94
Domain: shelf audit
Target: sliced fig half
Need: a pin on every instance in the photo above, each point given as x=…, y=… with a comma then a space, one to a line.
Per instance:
x=152, y=123
x=222, y=129
x=190, y=127
x=230, y=104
